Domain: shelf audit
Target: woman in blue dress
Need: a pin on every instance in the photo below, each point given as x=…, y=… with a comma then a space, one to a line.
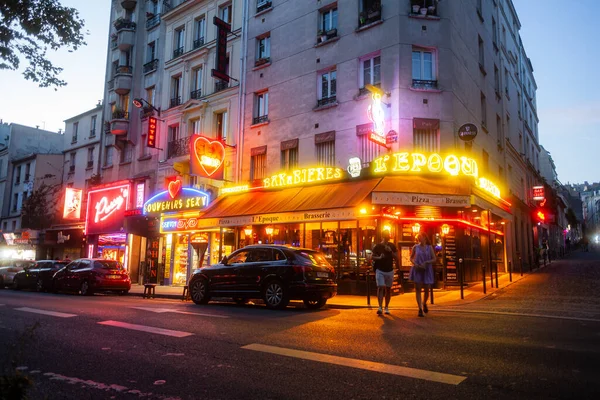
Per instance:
x=421, y=273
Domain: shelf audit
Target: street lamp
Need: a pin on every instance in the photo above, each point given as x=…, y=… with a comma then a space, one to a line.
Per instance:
x=416, y=228
x=139, y=103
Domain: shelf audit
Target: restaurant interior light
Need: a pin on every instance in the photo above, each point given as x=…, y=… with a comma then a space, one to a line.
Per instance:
x=445, y=229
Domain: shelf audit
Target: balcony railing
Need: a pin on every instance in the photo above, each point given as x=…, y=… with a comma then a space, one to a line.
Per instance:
x=260, y=119
x=178, y=147
x=175, y=101
x=196, y=94
x=198, y=43
x=424, y=84
x=178, y=52
x=111, y=84
x=74, y=139
x=220, y=85
x=124, y=69
x=120, y=114
x=263, y=5
x=124, y=24
x=326, y=100
x=151, y=66
x=153, y=21
x=373, y=14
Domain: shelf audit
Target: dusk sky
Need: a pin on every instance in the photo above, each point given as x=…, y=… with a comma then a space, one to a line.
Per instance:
x=559, y=38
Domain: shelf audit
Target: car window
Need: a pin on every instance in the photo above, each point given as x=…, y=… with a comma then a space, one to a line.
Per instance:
x=260, y=255
x=309, y=257
x=59, y=265
x=238, y=257
x=107, y=264
x=278, y=255
x=73, y=265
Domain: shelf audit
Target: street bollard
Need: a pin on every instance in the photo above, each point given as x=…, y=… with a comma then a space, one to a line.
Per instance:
x=510, y=271
x=521, y=264
x=431, y=301
x=491, y=274
x=483, y=270
x=368, y=288
x=460, y=278
x=496, y=275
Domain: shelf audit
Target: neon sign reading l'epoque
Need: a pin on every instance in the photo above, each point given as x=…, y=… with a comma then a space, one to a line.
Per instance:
x=419, y=162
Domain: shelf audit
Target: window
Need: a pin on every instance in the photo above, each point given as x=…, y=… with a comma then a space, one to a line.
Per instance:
x=179, y=40
x=261, y=108
x=258, y=166
x=124, y=104
x=329, y=20
x=196, y=92
x=369, y=150
x=221, y=121
x=27, y=172
x=325, y=148
x=481, y=55
x=108, y=156
x=499, y=130
x=503, y=35
x=225, y=13
x=496, y=81
x=93, y=126
x=486, y=160
x=14, y=225
x=194, y=125
x=494, y=33
x=73, y=158
x=262, y=5
x=479, y=9
x=90, y=157
x=175, y=91
x=150, y=92
x=263, y=49
x=75, y=129
x=506, y=82
x=1, y=168
x=151, y=51
x=423, y=69
x=200, y=27
x=327, y=88
x=370, y=71
x=483, y=110
x=425, y=140
x=289, y=154
x=18, y=175
x=15, y=202
x=173, y=133
x=4, y=226
x=24, y=197
x=126, y=153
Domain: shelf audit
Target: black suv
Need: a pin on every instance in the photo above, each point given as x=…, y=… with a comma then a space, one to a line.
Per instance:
x=276, y=274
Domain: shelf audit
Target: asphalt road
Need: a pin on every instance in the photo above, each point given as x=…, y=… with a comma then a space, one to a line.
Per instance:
x=538, y=338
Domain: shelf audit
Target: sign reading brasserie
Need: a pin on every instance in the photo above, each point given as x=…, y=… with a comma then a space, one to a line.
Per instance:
x=176, y=198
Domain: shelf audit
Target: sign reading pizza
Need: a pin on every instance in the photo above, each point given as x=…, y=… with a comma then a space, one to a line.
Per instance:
x=152, y=129
x=206, y=157
x=106, y=209
x=72, y=208
x=176, y=198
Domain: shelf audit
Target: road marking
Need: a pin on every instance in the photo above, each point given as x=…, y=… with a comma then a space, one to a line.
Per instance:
x=45, y=312
x=514, y=314
x=174, y=311
x=144, y=328
x=360, y=364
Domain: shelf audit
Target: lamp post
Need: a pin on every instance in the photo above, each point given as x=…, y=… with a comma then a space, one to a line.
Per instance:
x=139, y=103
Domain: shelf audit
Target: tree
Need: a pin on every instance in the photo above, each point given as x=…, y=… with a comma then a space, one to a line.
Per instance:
x=29, y=28
x=38, y=211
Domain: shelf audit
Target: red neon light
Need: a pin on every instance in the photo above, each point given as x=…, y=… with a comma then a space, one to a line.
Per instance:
x=106, y=209
x=207, y=157
x=541, y=216
x=374, y=137
x=174, y=188
x=152, y=129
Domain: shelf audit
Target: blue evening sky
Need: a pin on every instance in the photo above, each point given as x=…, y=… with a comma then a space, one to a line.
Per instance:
x=559, y=37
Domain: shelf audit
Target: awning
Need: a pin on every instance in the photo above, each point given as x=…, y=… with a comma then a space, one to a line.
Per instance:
x=419, y=184
x=330, y=196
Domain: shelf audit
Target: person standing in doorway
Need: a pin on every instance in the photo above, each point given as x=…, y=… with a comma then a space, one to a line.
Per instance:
x=422, y=256
x=384, y=254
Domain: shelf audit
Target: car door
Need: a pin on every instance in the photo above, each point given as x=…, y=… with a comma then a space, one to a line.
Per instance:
x=61, y=278
x=82, y=272
x=223, y=279
x=249, y=276
x=31, y=274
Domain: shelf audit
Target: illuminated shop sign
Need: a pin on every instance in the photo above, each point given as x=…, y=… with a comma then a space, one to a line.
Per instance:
x=489, y=187
x=179, y=224
x=206, y=157
x=354, y=167
x=72, y=208
x=235, y=189
x=106, y=209
x=176, y=198
x=419, y=162
x=376, y=114
x=152, y=129
x=538, y=193
x=303, y=176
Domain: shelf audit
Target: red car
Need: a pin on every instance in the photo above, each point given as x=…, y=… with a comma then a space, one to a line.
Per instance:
x=89, y=275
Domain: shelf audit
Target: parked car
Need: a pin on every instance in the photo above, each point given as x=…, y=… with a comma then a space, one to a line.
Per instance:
x=276, y=274
x=8, y=269
x=90, y=275
x=38, y=276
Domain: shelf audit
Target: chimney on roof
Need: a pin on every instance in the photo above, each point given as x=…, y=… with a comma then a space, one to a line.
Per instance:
x=37, y=127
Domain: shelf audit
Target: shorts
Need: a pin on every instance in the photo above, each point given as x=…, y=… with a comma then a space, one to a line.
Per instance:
x=384, y=278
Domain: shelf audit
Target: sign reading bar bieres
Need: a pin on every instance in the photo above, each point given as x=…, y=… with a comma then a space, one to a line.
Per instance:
x=176, y=199
x=303, y=176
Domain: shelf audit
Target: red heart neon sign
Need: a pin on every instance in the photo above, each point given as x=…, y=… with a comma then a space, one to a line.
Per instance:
x=209, y=154
x=174, y=188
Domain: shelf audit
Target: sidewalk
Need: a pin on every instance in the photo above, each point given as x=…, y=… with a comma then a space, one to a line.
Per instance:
x=442, y=297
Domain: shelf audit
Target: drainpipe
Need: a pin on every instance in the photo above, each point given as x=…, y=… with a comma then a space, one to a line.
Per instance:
x=242, y=91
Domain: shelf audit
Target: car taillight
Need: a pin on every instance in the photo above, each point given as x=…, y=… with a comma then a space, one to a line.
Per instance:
x=303, y=270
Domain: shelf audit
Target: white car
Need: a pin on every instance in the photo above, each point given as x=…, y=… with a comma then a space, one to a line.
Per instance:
x=8, y=269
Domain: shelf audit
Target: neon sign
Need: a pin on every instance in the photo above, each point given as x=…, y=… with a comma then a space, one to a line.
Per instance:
x=106, y=209
x=419, y=162
x=354, y=167
x=206, y=157
x=178, y=224
x=377, y=116
x=72, y=208
x=183, y=199
x=304, y=175
x=152, y=128
x=538, y=193
x=235, y=189
x=489, y=187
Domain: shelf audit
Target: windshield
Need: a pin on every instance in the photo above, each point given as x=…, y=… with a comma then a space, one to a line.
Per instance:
x=308, y=257
x=108, y=264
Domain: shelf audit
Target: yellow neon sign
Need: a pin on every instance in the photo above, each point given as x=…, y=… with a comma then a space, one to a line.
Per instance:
x=489, y=187
x=419, y=162
x=235, y=189
x=303, y=176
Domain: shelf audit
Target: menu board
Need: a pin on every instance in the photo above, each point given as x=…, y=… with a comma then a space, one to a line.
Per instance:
x=405, y=256
x=450, y=254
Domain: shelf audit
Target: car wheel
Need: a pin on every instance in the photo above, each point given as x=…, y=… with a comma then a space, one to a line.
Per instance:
x=315, y=304
x=85, y=289
x=199, y=291
x=275, y=295
x=15, y=284
x=39, y=285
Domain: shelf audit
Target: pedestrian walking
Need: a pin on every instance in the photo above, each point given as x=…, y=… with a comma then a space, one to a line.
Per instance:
x=421, y=273
x=384, y=254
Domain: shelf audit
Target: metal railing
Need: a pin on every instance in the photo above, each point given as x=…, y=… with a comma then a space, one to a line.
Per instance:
x=178, y=52
x=124, y=24
x=326, y=100
x=151, y=66
x=196, y=94
x=220, y=85
x=111, y=84
x=369, y=16
x=175, y=101
x=120, y=114
x=198, y=43
x=261, y=6
x=260, y=119
x=178, y=147
x=424, y=84
x=124, y=69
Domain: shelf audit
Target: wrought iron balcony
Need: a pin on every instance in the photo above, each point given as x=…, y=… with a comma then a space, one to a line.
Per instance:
x=178, y=147
x=424, y=84
x=178, y=52
x=175, y=101
x=326, y=100
x=260, y=119
x=196, y=94
x=261, y=6
x=198, y=43
x=221, y=85
x=122, y=23
x=151, y=66
x=124, y=69
x=152, y=21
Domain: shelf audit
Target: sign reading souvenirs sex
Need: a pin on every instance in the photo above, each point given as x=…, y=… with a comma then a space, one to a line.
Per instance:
x=176, y=198
x=106, y=209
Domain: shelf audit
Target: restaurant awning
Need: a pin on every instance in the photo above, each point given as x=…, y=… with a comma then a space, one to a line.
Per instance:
x=310, y=198
x=421, y=184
